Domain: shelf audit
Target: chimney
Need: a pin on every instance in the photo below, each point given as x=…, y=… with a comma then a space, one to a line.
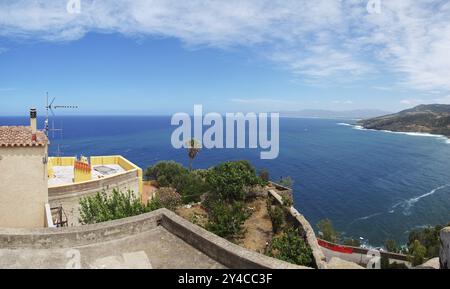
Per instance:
x=33, y=124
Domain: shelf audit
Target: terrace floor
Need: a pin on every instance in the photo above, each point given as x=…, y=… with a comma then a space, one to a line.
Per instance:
x=157, y=249
x=63, y=175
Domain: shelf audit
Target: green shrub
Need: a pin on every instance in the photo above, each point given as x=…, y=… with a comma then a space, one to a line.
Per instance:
x=101, y=207
x=264, y=175
x=165, y=173
x=290, y=247
x=276, y=215
x=230, y=180
x=168, y=198
x=391, y=246
x=327, y=231
x=226, y=220
x=154, y=204
x=429, y=238
x=287, y=202
x=287, y=182
x=191, y=186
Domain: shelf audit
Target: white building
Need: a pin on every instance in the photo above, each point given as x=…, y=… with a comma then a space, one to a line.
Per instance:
x=23, y=176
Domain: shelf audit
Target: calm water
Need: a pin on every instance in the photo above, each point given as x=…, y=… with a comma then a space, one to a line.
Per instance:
x=371, y=184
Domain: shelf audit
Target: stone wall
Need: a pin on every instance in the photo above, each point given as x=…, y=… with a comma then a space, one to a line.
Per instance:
x=69, y=196
x=305, y=229
x=219, y=249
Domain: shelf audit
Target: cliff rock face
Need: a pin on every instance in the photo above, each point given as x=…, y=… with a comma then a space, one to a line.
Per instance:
x=434, y=119
x=444, y=255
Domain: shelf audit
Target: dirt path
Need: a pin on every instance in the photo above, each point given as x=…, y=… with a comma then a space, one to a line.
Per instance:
x=195, y=214
x=147, y=191
x=258, y=227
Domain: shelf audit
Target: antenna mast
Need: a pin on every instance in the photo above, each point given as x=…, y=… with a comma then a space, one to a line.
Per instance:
x=49, y=108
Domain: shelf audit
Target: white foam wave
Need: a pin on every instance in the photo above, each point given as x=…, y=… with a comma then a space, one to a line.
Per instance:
x=408, y=204
x=365, y=218
x=344, y=124
x=420, y=134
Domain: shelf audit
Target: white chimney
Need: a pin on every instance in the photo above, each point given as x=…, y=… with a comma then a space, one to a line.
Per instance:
x=33, y=123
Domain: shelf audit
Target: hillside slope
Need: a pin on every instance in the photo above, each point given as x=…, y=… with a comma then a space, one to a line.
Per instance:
x=433, y=118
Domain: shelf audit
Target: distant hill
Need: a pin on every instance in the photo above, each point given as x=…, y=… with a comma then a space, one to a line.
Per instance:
x=433, y=118
x=350, y=114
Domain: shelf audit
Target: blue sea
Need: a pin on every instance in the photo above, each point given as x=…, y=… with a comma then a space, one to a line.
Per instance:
x=371, y=184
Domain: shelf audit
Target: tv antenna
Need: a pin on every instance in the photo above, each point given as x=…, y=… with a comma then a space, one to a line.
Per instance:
x=49, y=109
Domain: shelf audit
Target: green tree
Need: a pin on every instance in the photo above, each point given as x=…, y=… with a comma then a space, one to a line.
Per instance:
x=101, y=207
x=193, y=149
x=229, y=180
x=391, y=246
x=290, y=247
x=417, y=253
x=429, y=238
x=327, y=231
x=287, y=182
x=191, y=186
x=166, y=173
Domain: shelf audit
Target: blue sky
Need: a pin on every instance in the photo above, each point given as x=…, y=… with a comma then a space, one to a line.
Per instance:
x=130, y=57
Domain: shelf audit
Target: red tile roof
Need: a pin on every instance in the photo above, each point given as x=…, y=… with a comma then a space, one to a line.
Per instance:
x=20, y=136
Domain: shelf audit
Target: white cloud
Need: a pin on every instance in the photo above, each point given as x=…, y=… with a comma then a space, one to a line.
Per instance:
x=321, y=39
x=443, y=99
x=342, y=102
x=412, y=101
x=262, y=100
x=267, y=104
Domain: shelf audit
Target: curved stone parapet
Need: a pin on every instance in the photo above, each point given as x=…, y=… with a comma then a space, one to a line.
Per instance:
x=306, y=230
x=160, y=239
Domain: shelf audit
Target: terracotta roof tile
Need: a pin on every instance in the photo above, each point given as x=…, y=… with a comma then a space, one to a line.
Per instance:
x=20, y=136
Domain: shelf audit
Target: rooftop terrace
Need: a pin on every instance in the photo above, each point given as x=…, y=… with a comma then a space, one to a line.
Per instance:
x=64, y=175
x=61, y=169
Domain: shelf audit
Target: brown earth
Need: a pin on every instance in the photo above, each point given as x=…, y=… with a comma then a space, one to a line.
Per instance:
x=147, y=191
x=195, y=214
x=257, y=228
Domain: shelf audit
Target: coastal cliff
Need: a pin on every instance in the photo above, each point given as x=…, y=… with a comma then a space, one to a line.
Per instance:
x=433, y=119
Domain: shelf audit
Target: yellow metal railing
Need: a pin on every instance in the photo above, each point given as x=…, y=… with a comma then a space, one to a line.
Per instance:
x=59, y=161
x=121, y=161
